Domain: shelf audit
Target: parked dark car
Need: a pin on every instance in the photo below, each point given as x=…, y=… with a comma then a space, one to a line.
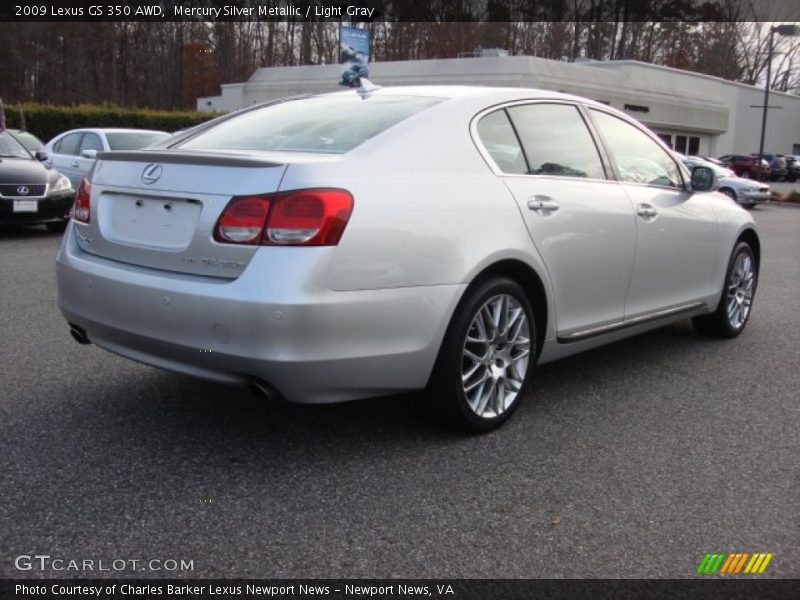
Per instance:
x=746, y=166
x=777, y=165
x=30, y=193
x=792, y=168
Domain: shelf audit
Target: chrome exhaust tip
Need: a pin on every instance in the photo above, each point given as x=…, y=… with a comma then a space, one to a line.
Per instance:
x=78, y=334
x=264, y=391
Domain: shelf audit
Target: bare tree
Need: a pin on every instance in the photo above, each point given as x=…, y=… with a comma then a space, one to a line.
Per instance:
x=168, y=65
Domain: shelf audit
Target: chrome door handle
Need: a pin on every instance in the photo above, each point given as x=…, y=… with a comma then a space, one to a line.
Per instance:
x=646, y=211
x=543, y=204
x=75, y=163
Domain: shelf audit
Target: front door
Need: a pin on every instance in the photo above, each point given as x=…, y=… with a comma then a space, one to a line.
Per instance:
x=65, y=157
x=676, y=230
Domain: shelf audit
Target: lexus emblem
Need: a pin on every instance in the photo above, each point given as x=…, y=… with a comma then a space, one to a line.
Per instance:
x=23, y=190
x=151, y=173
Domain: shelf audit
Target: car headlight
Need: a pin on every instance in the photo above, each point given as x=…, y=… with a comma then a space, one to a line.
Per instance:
x=62, y=184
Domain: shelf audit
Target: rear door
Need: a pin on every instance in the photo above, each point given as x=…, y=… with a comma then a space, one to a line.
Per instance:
x=676, y=230
x=581, y=222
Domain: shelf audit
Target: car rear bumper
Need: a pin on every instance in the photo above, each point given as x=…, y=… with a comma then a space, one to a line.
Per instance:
x=51, y=209
x=309, y=343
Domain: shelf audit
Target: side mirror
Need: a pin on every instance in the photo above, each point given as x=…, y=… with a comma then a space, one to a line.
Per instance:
x=89, y=154
x=703, y=179
x=41, y=155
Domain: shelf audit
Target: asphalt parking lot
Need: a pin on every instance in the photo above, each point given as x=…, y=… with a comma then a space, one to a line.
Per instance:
x=633, y=460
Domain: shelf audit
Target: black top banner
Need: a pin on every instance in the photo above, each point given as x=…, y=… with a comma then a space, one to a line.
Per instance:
x=401, y=10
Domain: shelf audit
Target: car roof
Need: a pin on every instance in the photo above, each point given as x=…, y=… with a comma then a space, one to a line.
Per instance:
x=470, y=92
x=111, y=130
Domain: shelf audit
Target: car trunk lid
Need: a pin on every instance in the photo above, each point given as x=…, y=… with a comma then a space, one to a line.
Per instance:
x=158, y=209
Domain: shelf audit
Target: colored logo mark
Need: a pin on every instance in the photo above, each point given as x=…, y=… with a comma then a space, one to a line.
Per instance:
x=732, y=564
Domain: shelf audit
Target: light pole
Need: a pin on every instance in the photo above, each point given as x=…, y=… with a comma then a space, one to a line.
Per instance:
x=788, y=30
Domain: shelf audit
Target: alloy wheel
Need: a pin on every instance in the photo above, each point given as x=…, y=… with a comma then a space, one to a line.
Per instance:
x=495, y=356
x=741, y=286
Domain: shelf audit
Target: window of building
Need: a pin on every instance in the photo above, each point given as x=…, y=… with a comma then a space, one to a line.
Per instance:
x=687, y=144
x=666, y=138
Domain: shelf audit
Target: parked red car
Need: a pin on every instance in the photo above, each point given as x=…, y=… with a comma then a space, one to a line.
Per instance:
x=746, y=166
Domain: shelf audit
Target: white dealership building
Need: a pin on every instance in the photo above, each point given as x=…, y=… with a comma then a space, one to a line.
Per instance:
x=695, y=113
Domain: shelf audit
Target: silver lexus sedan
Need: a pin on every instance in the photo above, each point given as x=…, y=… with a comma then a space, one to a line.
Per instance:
x=356, y=244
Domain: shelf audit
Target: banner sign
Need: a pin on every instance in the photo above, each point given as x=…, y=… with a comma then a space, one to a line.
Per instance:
x=353, y=54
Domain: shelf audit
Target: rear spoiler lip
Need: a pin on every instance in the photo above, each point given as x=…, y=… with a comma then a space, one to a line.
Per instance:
x=189, y=158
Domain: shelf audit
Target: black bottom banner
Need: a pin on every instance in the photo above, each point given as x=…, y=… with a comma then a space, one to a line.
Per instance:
x=397, y=589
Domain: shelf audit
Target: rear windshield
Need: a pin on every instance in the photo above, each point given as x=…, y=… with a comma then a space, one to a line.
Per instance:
x=133, y=140
x=329, y=124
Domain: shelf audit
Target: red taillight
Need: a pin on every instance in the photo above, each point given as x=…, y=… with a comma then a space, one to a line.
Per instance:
x=243, y=220
x=308, y=218
x=314, y=217
x=81, y=207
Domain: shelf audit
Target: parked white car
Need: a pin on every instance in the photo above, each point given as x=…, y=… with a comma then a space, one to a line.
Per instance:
x=353, y=244
x=73, y=152
x=746, y=192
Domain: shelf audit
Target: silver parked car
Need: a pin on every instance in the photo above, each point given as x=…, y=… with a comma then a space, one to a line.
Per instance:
x=351, y=245
x=73, y=152
x=746, y=192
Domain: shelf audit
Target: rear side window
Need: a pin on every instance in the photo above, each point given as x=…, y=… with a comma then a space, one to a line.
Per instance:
x=639, y=158
x=133, y=140
x=326, y=124
x=91, y=141
x=556, y=141
x=498, y=137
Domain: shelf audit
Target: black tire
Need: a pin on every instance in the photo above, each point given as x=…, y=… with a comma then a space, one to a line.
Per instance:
x=57, y=227
x=446, y=391
x=718, y=323
x=729, y=193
